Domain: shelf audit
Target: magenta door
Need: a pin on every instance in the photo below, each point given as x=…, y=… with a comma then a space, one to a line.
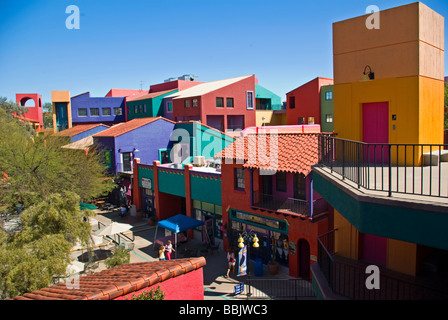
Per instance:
x=374, y=248
x=375, y=129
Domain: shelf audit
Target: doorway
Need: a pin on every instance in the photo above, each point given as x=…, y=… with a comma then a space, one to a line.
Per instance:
x=304, y=259
x=375, y=129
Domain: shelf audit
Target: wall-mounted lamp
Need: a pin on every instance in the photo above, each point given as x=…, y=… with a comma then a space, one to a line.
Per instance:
x=368, y=74
x=136, y=150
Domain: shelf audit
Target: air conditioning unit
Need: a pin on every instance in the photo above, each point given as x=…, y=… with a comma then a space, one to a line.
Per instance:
x=199, y=161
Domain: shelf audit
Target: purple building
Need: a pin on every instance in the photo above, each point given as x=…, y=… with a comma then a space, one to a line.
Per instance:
x=144, y=138
x=106, y=110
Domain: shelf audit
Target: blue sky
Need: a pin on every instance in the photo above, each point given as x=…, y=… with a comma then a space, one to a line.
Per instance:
x=120, y=43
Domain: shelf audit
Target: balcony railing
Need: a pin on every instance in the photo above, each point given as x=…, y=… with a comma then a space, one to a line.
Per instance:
x=417, y=169
x=347, y=278
x=289, y=205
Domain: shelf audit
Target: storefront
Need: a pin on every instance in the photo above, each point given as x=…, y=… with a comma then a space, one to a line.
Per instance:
x=272, y=234
x=148, y=203
x=211, y=214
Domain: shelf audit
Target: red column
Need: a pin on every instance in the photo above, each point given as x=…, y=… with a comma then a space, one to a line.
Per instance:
x=136, y=192
x=156, y=187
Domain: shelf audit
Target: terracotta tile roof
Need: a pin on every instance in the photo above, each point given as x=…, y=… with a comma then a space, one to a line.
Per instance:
x=294, y=153
x=124, y=127
x=118, y=281
x=73, y=131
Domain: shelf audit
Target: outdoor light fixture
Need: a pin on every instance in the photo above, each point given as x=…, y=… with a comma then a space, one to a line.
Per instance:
x=240, y=242
x=368, y=74
x=255, y=241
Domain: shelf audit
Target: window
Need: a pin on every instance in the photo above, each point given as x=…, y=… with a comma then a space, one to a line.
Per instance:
x=136, y=109
x=239, y=179
x=127, y=162
x=299, y=186
x=292, y=102
x=195, y=103
x=95, y=112
x=187, y=103
x=118, y=112
x=144, y=108
x=82, y=112
x=329, y=95
x=301, y=120
x=328, y=118
x=106, y=111
x=280, y=181
x=219, y=102
x=310, y=120
x=229, y=102
x=170, y=107
x=250, y=100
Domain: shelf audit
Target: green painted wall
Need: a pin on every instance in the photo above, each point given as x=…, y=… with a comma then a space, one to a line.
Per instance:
x=326, y=107
x=204, y=141
x=263, y=93
x=172, y=182
x=145, y=172
x=206, y=189
x=154, y=107
x=392, y=221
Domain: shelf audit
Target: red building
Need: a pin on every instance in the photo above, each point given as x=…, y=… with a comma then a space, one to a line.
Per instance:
x=304, y=102
x=34, y=114
x=268, y=190
x=224, y=104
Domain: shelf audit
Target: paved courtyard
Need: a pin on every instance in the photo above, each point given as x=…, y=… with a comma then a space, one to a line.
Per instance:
x=216, y=286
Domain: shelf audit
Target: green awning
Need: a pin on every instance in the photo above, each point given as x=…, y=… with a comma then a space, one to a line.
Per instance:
x=88, y=206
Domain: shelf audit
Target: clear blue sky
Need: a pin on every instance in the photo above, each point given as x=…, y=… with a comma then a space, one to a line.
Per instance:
x=120, y=43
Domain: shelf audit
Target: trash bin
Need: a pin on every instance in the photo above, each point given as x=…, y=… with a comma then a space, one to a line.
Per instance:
x=258, y=267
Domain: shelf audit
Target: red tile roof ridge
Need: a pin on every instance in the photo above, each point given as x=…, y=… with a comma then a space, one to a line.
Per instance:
x=118, y=281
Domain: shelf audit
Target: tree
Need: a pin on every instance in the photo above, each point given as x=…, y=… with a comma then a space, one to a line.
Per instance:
x=47, y=115
x=50, y=182
x=119, y=257
x=37, y=167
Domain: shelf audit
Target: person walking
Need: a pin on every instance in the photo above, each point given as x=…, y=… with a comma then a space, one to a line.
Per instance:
x=169, y=250
x=162, y=253
x=231, y=262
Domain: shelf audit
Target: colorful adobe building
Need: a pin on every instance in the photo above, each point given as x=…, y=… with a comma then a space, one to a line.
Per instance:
x=267, y=189
x=388, y=91
x=62, y=110
x=81, y=131
x=223, y=104
x=108, y=110
x=34, y=114
x=153, y=103
x=142, y=137
x=305, y=103
x=163, y=189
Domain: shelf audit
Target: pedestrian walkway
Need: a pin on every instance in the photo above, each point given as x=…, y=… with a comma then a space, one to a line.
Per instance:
x=216, y=285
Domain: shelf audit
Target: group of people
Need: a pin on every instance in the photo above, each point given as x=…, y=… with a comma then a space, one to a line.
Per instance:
x=168, y=249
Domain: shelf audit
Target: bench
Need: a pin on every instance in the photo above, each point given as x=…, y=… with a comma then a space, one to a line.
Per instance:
x=432, y=158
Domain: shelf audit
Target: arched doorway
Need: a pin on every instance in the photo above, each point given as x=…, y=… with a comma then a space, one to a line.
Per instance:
x=304, y=258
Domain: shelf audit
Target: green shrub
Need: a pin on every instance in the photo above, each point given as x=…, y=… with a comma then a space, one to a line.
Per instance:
x=152, y=294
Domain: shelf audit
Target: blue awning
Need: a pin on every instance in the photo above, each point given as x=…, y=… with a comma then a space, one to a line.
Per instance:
x=180, y=223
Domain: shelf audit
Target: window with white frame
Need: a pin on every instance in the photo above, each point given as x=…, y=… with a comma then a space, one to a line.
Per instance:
x=250, y=100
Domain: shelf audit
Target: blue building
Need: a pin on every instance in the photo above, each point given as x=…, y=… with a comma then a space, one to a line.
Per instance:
x=107, y=110
x=143, y=138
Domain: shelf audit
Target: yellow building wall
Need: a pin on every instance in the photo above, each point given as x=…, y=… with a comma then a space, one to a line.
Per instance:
x=271, y=118
x=402, y=256
x=431, y=112
x=346, y=237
